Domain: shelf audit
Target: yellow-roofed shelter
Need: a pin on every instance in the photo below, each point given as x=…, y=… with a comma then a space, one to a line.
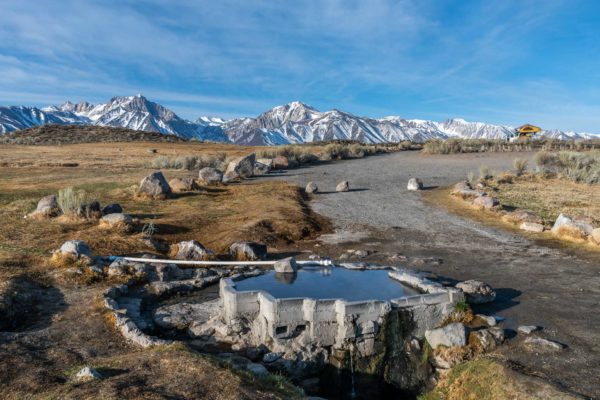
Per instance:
x=527, y=131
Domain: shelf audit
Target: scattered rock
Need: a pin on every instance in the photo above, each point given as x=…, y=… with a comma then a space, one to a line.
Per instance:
x=488, y=319
x=179, y=185
x=117, y=221
x=190, y=250
x=76, y=249
x=242, y=167
x=450, y=335
x=210, y=176
x=571, y=227
x=88, y=374
x=521, y=216
x=477, y=292
x=181, y=316
x=90, y=210
x=414, y=184
x=112, y=209
x=531, y=227
x=155, y=185
x=261, y=169
x=47, y=207
x=540, y=344
x=257, y=369
x=248, y=251
x=271, y=357
x=343, y=186
x=311, y=187
x=595, y=235
x=286, y=266
x=280, y=162
x=486, y=202
x=527, y=329
x=464, y=190
x=359, y=253
x=488, y=339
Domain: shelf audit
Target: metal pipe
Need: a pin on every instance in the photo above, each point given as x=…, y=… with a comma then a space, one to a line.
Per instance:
x=324, y=262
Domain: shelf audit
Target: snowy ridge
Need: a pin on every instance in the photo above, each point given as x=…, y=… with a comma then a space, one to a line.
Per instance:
x=295, y=122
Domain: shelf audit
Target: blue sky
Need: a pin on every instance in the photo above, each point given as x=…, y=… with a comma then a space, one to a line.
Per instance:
x=501, y=61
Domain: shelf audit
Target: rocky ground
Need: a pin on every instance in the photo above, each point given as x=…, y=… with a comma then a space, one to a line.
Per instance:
x=553, y=287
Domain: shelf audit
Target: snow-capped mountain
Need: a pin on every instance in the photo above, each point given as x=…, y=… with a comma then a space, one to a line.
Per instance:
x=295, y=122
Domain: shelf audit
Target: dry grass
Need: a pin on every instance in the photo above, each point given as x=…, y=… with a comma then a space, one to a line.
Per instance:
x=269, y=212
x=485, y=379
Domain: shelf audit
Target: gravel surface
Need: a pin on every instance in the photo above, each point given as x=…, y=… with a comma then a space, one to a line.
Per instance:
x=536, y=285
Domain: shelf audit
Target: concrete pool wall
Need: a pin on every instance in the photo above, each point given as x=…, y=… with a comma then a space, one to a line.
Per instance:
x=334, y=322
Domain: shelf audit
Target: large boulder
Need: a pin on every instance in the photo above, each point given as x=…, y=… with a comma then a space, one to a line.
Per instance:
x=414, y=184
x=77, y=249
x=210, y=176
x=90, y=210
x=179, y=185
x=485, y=202
x=477, y=292
x=155, y=185
x=248, y=251
x=286, y=266
x=242, y=167
x=112, y=209
x=311, y=187
x=450, y=335
x=117, y=222
x=190, y=250
x=280, y=162
x=47, y=207
x=574, y=228
x=343, y=186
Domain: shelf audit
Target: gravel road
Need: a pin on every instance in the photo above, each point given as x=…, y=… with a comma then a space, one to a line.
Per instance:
x=536, y=285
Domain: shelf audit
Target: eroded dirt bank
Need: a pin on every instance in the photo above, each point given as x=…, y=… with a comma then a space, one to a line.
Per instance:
x=555, y=288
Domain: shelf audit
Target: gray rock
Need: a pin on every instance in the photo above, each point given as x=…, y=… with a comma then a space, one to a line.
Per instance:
x=527, y=329
x=76, y=248
x=88, y=374
x=486, y=202
x=460, y=186
x=47, y=207
x=116, y=221
x=595, y=235
x=577, y=228
x=248, y=251
x=280, y=162
x=488, y=319
x=311, y=187
x=271, y=357
x=540, y=344
x=477, y=292
x=286, y=266
x=450, y=335
x=90, y=210
x=181, y=316
x=261, y=169
x=266, y=161
x=180, y=185
x=190, y=250
x=414, y=184
x=155, y=185
x=488, y=339
x=210, y=175
x=257, y=369
x=343, y=186
x=112, y=209
x=242, y=167
x=531, y=227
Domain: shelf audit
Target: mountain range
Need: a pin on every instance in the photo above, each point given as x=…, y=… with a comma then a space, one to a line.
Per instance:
x=295, y=122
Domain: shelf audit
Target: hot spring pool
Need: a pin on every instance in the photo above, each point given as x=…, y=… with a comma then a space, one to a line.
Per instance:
x=329, y=283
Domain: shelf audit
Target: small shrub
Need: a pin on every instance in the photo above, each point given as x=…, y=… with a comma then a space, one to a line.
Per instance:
x=471, y=177
x=485, y=173
x=520, y=165
x=544, y=160
x=69, y=200
x=148, y=230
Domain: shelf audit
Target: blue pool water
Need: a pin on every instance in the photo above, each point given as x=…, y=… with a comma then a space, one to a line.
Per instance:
x=329, y=283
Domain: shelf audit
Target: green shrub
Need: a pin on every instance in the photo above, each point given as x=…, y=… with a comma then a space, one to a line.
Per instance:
x=69, y=200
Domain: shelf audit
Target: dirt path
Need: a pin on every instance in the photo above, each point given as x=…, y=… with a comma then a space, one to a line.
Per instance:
x=535, y=284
